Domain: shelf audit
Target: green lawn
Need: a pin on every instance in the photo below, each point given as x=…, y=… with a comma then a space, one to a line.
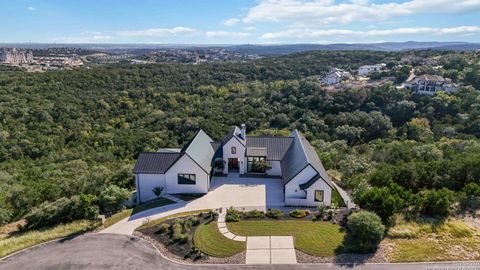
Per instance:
x=315, y=238
x=18, y=241
x=210, y=241
x=161, y=220
x=117, y=217
x=152, y=204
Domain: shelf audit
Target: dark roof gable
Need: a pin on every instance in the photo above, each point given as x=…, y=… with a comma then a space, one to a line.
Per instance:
x=155, y=162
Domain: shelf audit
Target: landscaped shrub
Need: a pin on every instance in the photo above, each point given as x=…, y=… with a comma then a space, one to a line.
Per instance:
x=62, y=210
x=299, y=213
x=254, y=214
x=195, y=221
x=164, y=227
x=232, y=215
x=274, y=213
x=364, y=232
x=180, y=238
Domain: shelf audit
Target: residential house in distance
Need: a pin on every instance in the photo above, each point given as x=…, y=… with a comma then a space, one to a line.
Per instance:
x=15, y=56
x=430, y=84
x=367, y=69
x=293, y=161
x=335, y=76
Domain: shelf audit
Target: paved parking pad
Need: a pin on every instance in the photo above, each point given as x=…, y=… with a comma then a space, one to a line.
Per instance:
x=270, y=250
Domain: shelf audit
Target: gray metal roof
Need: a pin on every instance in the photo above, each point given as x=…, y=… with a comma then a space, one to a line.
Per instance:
x=201, y=150
x=315, y=161
x=277, y=146
x=300, y=155
x=256, y=152
x=218, y=149
x=155, y=162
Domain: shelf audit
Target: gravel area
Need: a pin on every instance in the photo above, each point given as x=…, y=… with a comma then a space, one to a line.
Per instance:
x=235, y=259
x=378, y=257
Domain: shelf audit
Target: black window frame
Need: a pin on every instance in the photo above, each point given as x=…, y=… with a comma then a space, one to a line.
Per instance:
x=233, y=150
x=186, y=179
x=315, y=195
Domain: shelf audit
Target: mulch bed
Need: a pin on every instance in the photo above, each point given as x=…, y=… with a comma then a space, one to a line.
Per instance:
x=236, y=259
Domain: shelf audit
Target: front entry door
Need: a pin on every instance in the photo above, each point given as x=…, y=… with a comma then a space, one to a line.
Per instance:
x=233, y=165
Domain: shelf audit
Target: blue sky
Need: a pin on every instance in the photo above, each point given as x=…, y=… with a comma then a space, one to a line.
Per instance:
x=238, y=21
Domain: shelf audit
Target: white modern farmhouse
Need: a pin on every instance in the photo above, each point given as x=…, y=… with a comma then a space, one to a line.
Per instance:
x=291, y=159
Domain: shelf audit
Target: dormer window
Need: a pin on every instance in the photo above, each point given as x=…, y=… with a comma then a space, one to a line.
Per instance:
x=234, y=150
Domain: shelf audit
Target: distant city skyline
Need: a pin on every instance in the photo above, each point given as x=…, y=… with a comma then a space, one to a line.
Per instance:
x=238, y=21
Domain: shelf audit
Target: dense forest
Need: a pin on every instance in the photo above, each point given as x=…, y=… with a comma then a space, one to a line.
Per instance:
x=77, y=133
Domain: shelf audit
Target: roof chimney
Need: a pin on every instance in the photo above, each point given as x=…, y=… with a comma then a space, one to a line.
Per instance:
x=243, y=131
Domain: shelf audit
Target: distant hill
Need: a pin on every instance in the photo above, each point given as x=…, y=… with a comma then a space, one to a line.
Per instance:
x=267, y=50
x=385, y=46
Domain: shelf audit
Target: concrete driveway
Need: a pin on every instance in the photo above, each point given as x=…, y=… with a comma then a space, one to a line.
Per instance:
x=247, y=193
x=120, y=252
x=242, y=192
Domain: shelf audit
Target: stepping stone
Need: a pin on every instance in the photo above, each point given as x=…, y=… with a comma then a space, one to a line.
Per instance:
x=257, y=256
x=283, y=256
x=277, y=242
x=221, y=219
x=258, y=242
x=223, y=230
x=229, y=235
x=240, y=238
x=222, y=225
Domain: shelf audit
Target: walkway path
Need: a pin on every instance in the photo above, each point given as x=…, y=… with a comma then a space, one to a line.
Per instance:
x=346, y=198
x=222, y=227
x=270, y=250
x=262, y=249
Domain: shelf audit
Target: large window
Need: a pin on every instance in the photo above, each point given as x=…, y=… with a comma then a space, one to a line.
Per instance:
x=186, y=179
x=319, y=195
x=250, y=164
x=234, y=150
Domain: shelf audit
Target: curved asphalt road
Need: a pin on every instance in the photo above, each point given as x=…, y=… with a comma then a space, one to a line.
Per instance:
x=121, y=252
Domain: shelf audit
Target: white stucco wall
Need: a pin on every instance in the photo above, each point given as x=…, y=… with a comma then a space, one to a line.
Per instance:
x=240, y=154
x=276, y=169
x=295, y=196
x=145, y=183
x=186, y=165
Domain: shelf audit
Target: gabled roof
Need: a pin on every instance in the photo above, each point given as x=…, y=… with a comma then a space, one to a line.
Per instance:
x=234, y=133
x=277, y=146
x=201, y=150
x=300, y=155
x=155, y=162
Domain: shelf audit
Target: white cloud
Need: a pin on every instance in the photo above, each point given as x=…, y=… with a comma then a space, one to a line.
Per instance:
x=85, y=37
x=158, y=32
x=30, y=8
x=225, y=34
x=330, y=11
x=231, y=22
x=250, y=28
x=304, y=33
